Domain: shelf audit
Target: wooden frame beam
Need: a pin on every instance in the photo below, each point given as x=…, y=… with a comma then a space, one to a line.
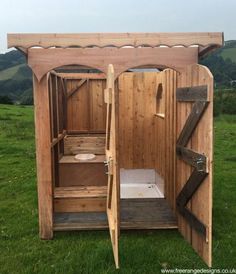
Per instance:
x=84, y=40
x=42, y=61
x=43, y=157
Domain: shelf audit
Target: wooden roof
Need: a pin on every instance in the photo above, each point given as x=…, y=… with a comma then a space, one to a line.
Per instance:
x=207, y=41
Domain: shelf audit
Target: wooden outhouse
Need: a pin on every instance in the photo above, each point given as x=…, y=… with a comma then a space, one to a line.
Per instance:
x=141, y=105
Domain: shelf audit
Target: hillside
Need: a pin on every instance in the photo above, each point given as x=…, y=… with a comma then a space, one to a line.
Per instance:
x=16, y=76
x=229, y=51
x=222, y=64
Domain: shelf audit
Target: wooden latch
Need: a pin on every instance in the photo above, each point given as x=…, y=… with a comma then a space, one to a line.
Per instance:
x=109, y=164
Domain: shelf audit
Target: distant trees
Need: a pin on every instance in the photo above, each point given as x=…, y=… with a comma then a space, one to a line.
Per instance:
x=224, y=101
x=5, y=100
x=224, y=71
x=18, y=89
x=11, y=59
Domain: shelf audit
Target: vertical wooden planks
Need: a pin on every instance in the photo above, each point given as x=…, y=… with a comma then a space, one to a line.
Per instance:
x=80, y=107
x=86, y=110
x=43, y=157
x=69, y=106
x=126, y=132
x=170, y=142
x=201, y=142
x=183, y=170
x=60, y=105
x=97, y=105
x=159, y=159
x=136, y=118
x=112, y=156
x=149, y=103
x=159, y=141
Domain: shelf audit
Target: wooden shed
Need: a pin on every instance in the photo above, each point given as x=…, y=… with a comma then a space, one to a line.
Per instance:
x=141, y=105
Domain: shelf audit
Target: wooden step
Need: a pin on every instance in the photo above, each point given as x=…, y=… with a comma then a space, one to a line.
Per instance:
x=70, y=159
x=82, y=173
x=81, y=192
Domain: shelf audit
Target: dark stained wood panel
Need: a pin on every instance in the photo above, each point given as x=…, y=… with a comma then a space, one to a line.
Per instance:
x=82, y=174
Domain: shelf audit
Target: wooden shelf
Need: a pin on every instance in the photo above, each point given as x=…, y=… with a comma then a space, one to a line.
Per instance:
x=80, y=192
x=70, y=159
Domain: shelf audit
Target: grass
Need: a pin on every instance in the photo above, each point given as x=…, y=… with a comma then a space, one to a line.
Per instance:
x=21, y=250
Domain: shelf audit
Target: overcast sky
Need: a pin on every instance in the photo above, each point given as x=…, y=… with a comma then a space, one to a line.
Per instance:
x=71, y=16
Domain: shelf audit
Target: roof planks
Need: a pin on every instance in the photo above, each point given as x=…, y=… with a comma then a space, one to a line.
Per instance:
x=205, y=40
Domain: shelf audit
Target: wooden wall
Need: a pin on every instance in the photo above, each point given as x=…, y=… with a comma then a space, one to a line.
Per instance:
x=146, y=139
x=57, y=101
x=137, y=105
x=159, y=147
x=86, y=110
x=165, y=142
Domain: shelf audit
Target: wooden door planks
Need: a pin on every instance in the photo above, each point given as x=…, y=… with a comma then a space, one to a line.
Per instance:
x=112, y=156
x=201, y=141
x=183, y=170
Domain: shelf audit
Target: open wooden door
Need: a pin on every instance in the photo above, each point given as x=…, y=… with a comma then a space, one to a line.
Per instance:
x=194, y=110
x=113, y=190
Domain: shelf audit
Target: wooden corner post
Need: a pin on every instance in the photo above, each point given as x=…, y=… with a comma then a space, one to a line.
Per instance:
x=43, y=156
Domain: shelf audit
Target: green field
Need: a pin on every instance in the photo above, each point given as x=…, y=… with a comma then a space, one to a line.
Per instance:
x=21, y=250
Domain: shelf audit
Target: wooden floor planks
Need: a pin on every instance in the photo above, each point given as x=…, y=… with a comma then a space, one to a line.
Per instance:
x=135, y=214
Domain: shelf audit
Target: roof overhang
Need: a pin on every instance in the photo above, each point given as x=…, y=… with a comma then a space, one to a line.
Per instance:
x=205, y=41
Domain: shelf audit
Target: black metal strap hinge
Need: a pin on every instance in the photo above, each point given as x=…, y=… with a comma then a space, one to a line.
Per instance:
x=198, y=161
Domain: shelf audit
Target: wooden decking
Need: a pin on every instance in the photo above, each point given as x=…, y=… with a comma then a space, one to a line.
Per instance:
x=134, y=214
